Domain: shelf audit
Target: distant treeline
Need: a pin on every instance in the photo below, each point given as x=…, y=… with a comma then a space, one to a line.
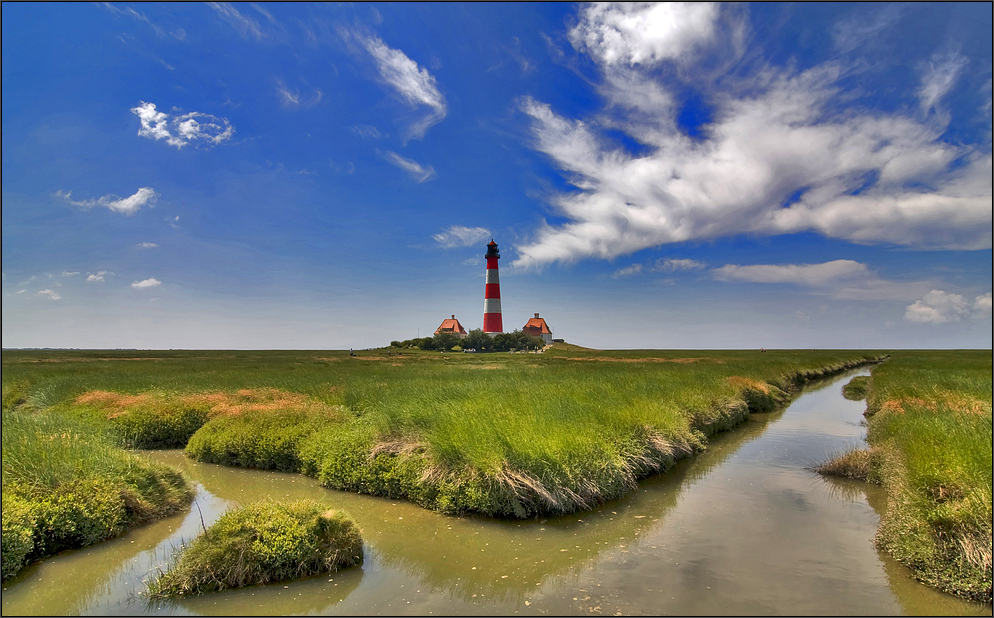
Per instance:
x=474, y=340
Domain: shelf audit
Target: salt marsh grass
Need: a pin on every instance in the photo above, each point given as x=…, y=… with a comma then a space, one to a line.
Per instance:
x=931, y=412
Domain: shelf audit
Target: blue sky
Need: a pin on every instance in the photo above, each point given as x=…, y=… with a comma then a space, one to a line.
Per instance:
x=657, y=176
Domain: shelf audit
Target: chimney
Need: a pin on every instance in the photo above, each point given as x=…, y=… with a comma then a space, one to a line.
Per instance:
x=536, y=315
x=453, y=316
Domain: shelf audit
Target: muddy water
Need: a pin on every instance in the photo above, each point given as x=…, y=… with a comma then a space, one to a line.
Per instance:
x=745, y=528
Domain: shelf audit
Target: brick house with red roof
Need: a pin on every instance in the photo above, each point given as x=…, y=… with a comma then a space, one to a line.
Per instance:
x=451, y=325
x=536, y=327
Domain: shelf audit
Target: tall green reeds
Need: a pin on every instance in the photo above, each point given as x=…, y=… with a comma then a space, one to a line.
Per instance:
x=66, y=485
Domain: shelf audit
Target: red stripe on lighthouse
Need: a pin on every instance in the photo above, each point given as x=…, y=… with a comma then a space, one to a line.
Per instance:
x=492, y=322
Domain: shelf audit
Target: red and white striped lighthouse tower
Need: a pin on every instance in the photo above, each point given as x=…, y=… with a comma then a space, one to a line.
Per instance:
x=491, y=297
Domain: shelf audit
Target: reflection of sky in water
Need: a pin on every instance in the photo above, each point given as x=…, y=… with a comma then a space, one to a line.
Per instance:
x=743, y=528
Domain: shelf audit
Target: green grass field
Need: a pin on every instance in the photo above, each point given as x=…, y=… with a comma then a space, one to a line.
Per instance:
x=930, y=417
x=500, y=434
x=516, y=435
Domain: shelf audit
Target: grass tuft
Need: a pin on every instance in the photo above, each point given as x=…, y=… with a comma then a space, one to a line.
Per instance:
x=263, y=543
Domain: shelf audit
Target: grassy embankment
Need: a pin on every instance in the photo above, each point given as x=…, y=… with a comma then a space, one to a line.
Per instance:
x=67, y=485
x=500, y=434
x=929, y=416
x=263, y=543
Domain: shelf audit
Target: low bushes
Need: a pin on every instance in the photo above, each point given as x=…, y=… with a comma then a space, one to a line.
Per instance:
x=263, y=543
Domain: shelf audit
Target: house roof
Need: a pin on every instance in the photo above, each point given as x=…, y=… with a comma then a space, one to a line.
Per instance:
x=451, y=325
x=537, y=324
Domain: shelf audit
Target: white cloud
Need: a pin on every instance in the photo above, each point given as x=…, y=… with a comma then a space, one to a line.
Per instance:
x=67, y=273
x=937, y=307
x=857, y=30
x=982, y=306
x=415, y=84
x=461, y=236
x=642, y=33
x=181, y=129
x=839, y=279
x=147, y=245
x=49, y=294
x=96, y=277
x=146, y=284
x=415, y=169
x=145, y=196
x=815, y=275
x=781, y=154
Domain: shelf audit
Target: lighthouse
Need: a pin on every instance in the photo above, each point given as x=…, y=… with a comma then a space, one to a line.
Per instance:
x=491, y=296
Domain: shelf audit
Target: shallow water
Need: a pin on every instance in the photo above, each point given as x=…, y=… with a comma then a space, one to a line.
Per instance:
x=744, y=528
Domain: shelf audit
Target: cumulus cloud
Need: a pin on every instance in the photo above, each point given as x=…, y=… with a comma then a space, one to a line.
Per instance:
x=151, y=282
x=202, y=130
x=939, y=307
x=49, y=294
x=413, y=83
x=982, y=306
x=96, y=277
x=642, y=32
x=145, y=196
x=415, y=169
x=780, y=155
x=461, y=236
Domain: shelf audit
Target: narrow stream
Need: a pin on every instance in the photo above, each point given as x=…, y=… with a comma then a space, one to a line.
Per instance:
x=744, y=528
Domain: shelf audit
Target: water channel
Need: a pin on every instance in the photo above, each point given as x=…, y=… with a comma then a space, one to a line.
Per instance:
x=744, y=528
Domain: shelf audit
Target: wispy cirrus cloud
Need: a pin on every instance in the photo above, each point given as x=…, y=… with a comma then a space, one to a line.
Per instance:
x=461, y=236
x=413, y=83
x=147, y=245
x=246, y=26
x=781, y=154
x=49, y=294
x=145, y=284
x=292, y=98
x=145, y=196
x=202, y=130
x=417, y=171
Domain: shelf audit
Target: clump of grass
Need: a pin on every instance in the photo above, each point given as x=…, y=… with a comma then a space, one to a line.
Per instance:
x=855, y=463
x=263, y=543
x=855, y=389
x=66, y=485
